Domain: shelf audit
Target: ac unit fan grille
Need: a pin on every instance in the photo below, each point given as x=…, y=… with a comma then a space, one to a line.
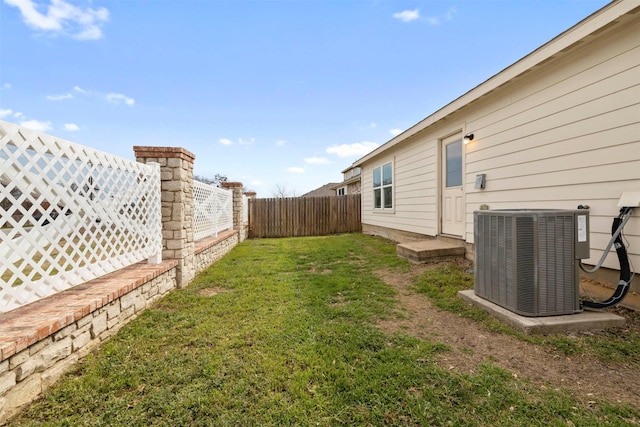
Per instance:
x=525, y=264
x=525, y=261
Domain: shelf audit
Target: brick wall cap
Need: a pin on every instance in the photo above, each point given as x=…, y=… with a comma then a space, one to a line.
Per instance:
x=165, y=152
x=229, y=184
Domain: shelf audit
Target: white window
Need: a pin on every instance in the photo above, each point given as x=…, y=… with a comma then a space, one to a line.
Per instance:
x=341, y=191
x=383, y=187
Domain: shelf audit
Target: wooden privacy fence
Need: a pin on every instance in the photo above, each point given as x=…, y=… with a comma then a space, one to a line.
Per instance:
x=304, y=216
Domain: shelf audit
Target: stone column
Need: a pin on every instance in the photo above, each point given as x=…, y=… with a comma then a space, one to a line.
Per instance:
x=236, y=187
x=176, y=176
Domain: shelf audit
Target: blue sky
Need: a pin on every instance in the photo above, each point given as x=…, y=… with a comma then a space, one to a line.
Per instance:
x=269, y=93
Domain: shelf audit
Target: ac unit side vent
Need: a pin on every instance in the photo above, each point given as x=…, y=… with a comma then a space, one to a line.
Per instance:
x=526, y=260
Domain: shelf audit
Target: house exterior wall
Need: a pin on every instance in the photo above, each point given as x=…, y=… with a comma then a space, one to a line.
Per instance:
x=347, y=188
x=353, y=187
x=564, y=132
x=414, y=188
x=351, y=182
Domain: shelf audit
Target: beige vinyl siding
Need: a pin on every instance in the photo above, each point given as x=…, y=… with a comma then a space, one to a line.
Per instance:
x=565, y=134
x=414, y=180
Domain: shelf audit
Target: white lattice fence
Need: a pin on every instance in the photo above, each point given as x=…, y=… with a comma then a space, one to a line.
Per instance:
x=70, y=214
x=213, y=208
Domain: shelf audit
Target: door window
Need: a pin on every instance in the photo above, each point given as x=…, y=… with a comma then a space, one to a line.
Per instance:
x=454, y=164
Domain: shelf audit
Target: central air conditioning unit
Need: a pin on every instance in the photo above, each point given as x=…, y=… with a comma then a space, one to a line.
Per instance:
x=527, y=260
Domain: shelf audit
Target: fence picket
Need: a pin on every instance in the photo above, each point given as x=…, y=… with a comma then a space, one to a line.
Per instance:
x=304, y=216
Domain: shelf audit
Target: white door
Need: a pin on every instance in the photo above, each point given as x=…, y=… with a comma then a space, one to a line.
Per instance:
x=452, y=202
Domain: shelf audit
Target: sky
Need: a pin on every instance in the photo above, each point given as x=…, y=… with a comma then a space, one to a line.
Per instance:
x=276, y=94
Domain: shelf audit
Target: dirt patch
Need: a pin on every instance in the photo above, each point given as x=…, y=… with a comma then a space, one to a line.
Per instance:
x=209, y=292
x=471, y=344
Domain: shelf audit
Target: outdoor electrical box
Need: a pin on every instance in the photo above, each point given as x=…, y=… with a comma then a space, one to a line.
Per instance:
x=630, y=199
x=527, y=260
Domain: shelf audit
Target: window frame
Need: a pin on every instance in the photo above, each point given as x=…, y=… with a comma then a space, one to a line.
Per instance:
x=386, y=202
x=343, y=189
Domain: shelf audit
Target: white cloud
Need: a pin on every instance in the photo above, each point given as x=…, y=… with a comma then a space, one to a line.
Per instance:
x=257, y=183
x=71, y=127
x=117, y=98
x=413, y=15
x=112, y=98
x=59, y=97
x=396, y=132
x=280, y=143
x=317, y=160
x=407, y=15
x=295, y=169
x=350, y=150
x=9, y=112
x=240, y=141
x=6, y=86
x=63, y=18
x=36, y=125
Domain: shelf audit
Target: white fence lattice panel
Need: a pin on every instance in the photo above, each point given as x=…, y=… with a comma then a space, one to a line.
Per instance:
x=213, y=210
x=69, y=214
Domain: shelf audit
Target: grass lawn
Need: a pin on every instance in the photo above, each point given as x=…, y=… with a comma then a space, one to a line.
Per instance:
x=283, y=332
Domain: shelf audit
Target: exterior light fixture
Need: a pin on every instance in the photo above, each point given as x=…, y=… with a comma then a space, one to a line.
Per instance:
x=468, y=138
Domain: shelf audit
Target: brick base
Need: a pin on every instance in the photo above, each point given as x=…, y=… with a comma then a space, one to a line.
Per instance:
x=41, y=341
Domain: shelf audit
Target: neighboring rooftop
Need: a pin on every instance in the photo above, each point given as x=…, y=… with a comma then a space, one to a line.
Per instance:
x=325, y=190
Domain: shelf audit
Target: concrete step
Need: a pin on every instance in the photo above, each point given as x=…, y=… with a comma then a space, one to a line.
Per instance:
x=430, y=250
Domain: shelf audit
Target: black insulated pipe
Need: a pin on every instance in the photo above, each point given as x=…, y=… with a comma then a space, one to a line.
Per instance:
x=625, y=270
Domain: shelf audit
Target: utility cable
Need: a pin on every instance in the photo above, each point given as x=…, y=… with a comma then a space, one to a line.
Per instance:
x=621, y=251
